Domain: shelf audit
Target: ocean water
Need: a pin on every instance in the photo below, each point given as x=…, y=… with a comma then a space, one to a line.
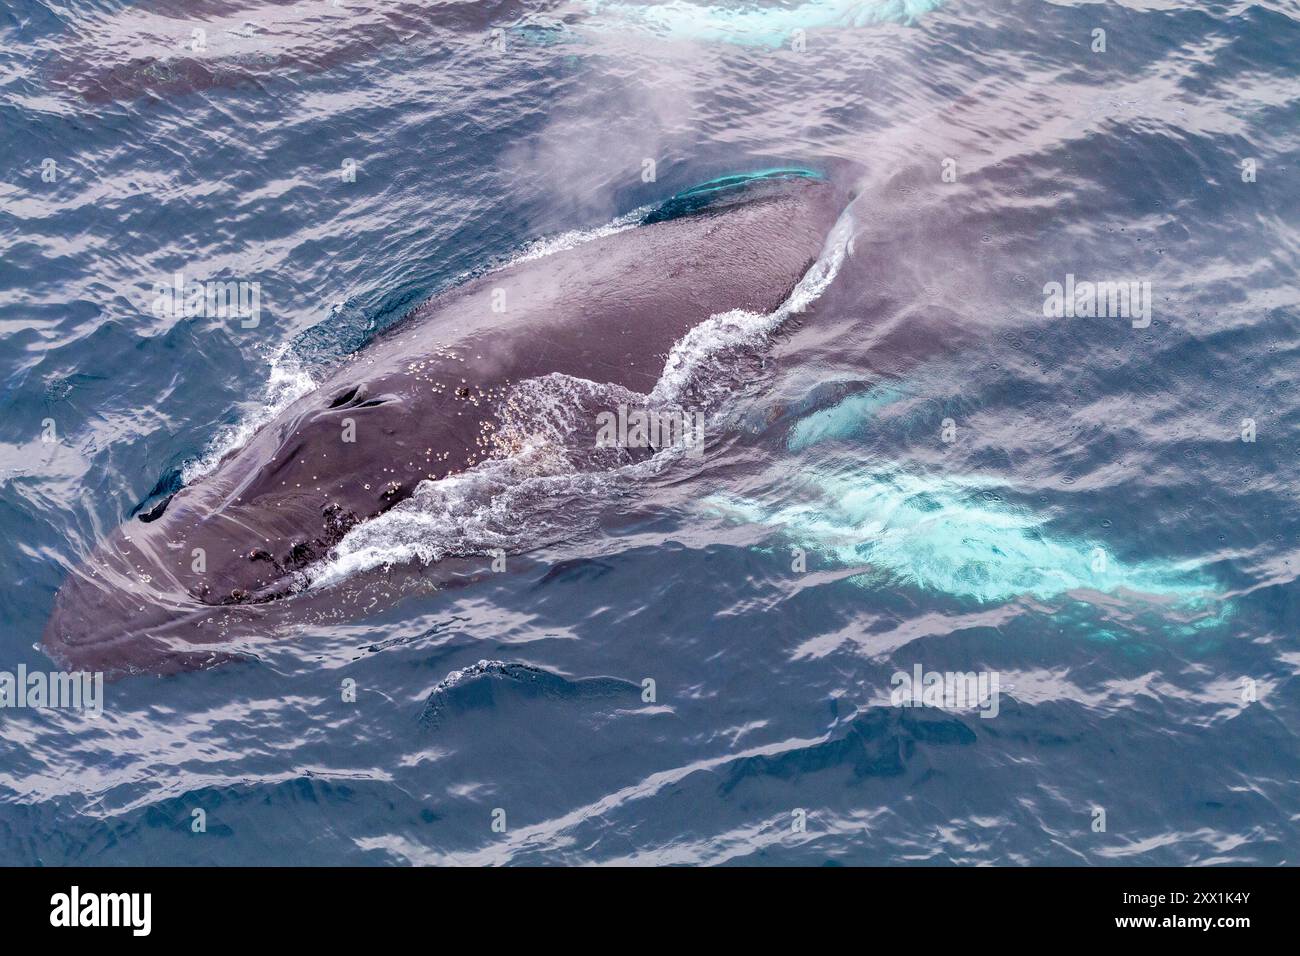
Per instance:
x=920, y=469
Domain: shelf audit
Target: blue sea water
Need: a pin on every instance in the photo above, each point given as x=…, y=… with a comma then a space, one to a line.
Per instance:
x=926, y=471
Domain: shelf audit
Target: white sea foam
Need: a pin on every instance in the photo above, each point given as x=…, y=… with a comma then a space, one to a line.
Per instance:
x=508, y=504
x=287, y=383
x=459, y=676
x=565, y=241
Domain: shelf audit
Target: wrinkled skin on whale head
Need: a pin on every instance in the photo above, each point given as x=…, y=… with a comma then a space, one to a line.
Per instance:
x=426, y=400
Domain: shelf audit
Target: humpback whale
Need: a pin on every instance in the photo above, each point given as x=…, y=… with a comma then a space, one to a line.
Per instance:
x=430, y=399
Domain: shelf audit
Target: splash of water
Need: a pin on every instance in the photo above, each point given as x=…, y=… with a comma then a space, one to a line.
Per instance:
x=508, y=504
x=541, y=248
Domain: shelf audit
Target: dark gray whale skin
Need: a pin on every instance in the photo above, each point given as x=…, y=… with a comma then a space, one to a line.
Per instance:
x=422, y=398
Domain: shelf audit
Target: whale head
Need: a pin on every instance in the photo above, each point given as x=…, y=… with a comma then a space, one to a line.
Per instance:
x=198, y=564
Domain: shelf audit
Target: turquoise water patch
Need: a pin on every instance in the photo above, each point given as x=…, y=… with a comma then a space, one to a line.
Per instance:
x=750, y=24
x=954, y=535
x=540, y=34
x=845, y=419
